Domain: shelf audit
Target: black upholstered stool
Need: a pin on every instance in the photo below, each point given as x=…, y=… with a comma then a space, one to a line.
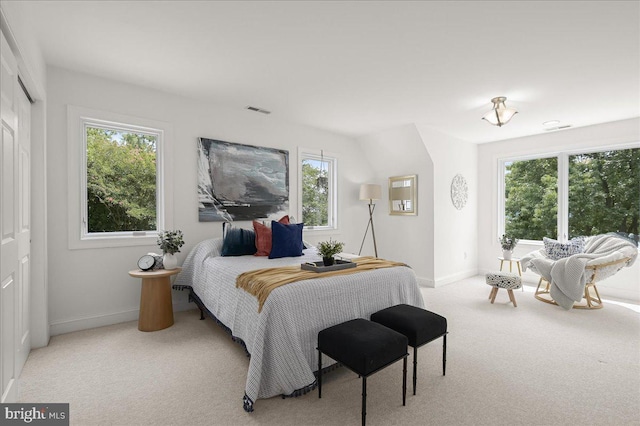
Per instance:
x=419, y=325
x=365, y=348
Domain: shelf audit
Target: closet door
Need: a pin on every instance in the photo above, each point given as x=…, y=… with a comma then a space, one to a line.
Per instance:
x=23, y=337
x=9, y=223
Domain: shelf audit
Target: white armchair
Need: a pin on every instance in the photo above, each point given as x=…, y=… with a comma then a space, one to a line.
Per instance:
x=570, y=279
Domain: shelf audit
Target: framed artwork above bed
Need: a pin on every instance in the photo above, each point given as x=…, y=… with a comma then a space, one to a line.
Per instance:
x=241, y=182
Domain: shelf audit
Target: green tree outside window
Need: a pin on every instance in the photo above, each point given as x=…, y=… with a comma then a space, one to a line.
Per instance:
x=121, y=181
x=603, y=192
x=531, y=198
x=315, y=193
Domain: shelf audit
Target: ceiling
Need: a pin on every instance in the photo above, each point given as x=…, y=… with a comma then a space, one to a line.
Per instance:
x=359, y=67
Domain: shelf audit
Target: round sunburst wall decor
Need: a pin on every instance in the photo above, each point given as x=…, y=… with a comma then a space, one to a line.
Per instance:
x=459, y=191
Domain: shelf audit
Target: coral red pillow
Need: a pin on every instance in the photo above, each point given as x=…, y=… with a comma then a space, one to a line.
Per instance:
x=263, y=236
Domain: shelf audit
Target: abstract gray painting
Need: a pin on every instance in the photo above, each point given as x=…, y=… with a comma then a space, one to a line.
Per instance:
x=241, y=182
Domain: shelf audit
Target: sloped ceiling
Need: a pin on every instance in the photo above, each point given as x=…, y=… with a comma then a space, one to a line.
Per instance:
x=360, y=67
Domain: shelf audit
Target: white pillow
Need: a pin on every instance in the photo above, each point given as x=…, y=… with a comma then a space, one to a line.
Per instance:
x=556, y=250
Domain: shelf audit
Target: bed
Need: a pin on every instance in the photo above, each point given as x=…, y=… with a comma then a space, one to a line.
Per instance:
x=281, y=339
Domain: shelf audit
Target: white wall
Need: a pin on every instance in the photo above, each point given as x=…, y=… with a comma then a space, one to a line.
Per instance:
x=398, y=152
x=455, y=231
x=32, y=65
x=625, y=284
x=440, y=243
x=91, y=287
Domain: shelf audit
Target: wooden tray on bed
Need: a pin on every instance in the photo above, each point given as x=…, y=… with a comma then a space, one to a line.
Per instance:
x=319, y=266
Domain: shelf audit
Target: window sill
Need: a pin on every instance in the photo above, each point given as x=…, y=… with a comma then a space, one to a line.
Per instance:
x=113, y=241
x=320, y=229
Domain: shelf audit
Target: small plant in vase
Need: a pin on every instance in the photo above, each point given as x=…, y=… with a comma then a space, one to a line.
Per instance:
x=328, y=249
x=508, y=243
x=170, y=243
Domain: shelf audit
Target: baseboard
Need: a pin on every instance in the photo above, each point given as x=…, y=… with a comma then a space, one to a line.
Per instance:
x=11, y=393
x=85, y=323
x=424, y=282
x=452, y=278
x=427, y=282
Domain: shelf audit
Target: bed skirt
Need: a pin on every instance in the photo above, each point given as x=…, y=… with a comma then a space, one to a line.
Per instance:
x=247, y=403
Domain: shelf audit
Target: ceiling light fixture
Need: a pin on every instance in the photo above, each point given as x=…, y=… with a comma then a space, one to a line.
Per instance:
x=500, y=114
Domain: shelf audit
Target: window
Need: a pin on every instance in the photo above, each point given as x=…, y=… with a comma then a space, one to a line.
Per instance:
x=604, y=192
x=121, y=175
x=572, y=194
x=531, y=198
x=123, y=180
x=318, y=187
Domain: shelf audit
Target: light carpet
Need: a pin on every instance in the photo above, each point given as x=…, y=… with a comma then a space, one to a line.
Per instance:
x=536, y=364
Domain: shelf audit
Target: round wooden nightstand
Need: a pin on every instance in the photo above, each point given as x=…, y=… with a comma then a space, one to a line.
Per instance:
x=156, y=309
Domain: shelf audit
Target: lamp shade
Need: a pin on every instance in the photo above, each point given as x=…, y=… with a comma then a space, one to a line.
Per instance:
x=370, y=191
x=500, y=114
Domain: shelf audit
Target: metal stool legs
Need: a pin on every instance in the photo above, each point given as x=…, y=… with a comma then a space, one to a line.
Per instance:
x=364, y=386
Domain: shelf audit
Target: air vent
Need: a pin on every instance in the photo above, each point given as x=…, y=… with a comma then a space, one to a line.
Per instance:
x=565, y=126
x=264, y=111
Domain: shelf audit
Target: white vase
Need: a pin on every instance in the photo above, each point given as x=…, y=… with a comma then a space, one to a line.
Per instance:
x=506, y=255
x=170, y=261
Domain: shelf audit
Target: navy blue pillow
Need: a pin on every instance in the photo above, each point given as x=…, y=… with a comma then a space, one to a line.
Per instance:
x=239, y=242
x=286, y=240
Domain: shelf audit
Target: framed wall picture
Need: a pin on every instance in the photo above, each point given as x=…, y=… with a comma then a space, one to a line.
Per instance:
x=403, y=195
x=241, y=182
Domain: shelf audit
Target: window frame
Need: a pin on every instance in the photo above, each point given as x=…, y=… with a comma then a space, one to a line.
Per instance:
x=78, y=119
x=563, y=184
x=332, y=174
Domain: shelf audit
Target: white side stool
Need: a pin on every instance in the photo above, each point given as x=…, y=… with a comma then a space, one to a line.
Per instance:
x=505, y=280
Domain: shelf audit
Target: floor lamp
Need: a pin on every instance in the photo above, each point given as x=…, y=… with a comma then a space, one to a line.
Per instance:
x=370, y=192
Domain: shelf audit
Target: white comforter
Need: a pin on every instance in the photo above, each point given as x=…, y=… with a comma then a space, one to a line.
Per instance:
x=282, y=338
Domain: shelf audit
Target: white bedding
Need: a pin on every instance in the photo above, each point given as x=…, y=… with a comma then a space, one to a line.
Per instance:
x=282, y=338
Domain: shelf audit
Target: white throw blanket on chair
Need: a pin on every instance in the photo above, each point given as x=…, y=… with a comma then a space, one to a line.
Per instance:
x=568, y=275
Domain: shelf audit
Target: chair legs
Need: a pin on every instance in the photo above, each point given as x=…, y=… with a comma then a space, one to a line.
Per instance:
x=319, y=374
x=494, y=293
x=364, y=400
x=404, y=381
x=364, y=383
x=444, y=355
x=415, y=369
x=415, y=362
x=404, y=390
x=591, y=301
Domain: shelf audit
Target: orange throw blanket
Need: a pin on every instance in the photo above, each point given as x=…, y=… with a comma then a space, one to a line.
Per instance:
x=262, y=282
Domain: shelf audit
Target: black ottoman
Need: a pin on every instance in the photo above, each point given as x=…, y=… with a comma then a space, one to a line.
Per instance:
x=419, y=325
x=365, y=348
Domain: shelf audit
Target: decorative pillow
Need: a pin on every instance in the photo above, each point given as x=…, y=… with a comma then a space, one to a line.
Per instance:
x=263, y=236
x=287, y=240
x=239, y=242
x=556, y=250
